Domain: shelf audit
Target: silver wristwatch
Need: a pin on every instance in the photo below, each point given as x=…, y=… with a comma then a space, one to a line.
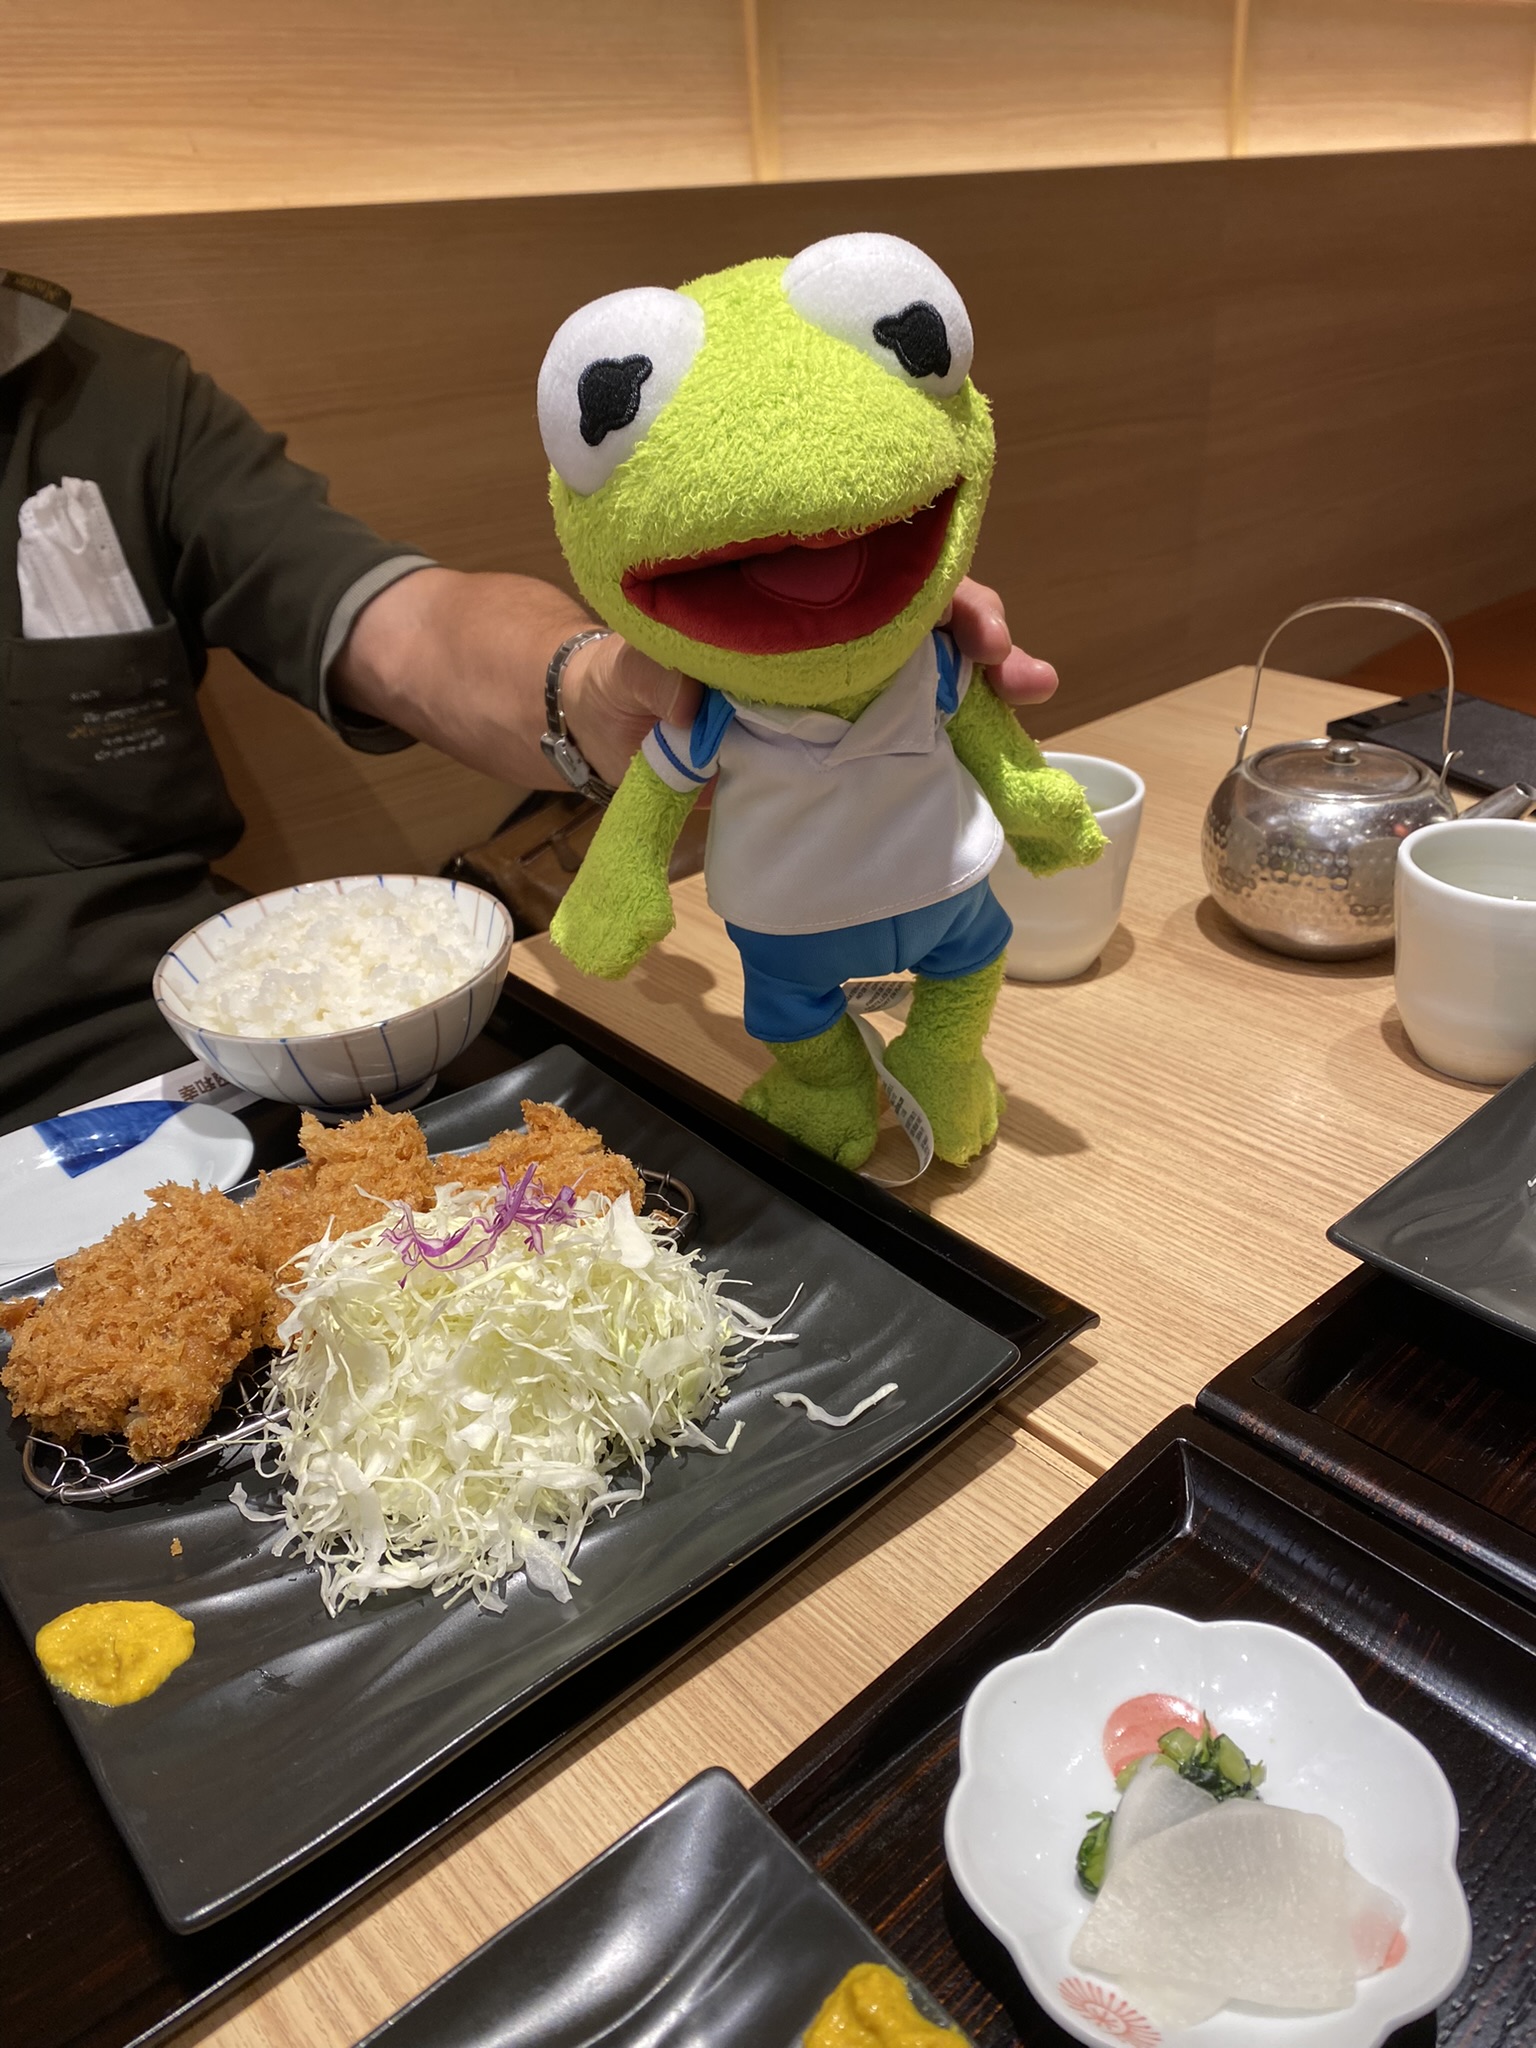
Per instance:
x=559, y=748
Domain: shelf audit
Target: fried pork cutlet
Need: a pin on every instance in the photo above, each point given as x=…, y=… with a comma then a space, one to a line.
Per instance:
x=353, y=1171
x=146, y=1327
x=566, y=1153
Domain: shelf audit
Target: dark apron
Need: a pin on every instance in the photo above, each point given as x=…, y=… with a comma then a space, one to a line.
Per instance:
x=111, y=806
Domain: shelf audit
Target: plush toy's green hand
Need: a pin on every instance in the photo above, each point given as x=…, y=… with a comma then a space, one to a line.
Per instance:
x=619, y=904
x=1043, y=812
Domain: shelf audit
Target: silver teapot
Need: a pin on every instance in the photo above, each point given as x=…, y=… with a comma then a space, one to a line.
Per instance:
x=1300, y=842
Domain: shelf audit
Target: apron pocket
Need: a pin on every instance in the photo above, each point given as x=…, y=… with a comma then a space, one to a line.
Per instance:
x=112, y=751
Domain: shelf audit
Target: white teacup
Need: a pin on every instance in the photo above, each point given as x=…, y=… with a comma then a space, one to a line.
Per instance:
x=1466, y=946
x=1062, y=924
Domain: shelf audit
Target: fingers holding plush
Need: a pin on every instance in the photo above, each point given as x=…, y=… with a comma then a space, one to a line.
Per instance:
x=980, y=627
x=613, y=694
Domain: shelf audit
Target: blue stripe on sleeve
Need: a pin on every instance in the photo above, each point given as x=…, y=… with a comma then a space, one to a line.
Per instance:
x=714, y=715
x=681, y=766
x=949, y=674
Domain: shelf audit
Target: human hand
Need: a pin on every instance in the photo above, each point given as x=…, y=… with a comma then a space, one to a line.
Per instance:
x=981, y=631
x=613, y=694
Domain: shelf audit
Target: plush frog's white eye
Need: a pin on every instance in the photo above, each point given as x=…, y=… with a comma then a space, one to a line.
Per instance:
x=891, y=301
x=607, y=373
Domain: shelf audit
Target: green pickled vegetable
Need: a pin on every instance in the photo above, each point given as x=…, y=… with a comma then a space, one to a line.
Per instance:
x=1092, y=1851
x=1213, y=1762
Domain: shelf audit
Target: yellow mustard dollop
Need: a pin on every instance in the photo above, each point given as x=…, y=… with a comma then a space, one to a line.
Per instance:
x=871, y=2009
x=114, y=1651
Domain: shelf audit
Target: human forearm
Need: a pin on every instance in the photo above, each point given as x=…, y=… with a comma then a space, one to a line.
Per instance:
x=459, y=661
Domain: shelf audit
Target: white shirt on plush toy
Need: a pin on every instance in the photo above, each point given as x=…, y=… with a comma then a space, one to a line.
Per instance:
x=809, y=806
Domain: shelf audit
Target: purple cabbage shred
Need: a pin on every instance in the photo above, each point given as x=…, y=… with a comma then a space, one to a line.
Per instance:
x=525, y=1205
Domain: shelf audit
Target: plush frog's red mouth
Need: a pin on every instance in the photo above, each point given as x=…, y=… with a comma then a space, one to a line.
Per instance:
x=787, y=593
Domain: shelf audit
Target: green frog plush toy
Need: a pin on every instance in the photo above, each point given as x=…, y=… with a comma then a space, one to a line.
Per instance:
x=772, y=480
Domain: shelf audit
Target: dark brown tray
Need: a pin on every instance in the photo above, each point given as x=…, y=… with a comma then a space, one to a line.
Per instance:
x=1198, y=1520
x=1418, y=1409
x=86, y=1961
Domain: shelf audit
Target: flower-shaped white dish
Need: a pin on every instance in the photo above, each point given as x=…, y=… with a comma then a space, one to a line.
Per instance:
x=393, y=1061
x=1032, y=1769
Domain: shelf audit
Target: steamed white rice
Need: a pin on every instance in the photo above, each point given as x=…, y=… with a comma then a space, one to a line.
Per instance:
x=336, y=961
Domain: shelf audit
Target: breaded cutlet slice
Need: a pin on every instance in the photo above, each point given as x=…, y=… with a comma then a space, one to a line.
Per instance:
x=353, y=1171
x=145, y=1328
x=566, y=1153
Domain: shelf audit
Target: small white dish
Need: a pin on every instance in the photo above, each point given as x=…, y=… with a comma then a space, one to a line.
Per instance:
x=337, y=1073
x=1032, y=1768
x=67, y=1181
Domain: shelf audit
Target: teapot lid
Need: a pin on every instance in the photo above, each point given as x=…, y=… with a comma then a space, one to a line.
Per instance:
x=1339, y=768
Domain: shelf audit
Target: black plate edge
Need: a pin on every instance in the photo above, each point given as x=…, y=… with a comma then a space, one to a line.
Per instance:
x=685, y=1794
x=827, y=1768
x=1345, y=1233
x=1470, y=1535
x=870, y=1215
x=671, y=1639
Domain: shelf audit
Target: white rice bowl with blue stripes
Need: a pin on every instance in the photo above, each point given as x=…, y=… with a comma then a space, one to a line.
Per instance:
x=247, y=988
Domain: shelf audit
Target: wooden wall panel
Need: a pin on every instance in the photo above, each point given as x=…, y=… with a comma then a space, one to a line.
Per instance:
x=1387, y=74
x=173, y=106
x=1221, y=389
x=883, y=88
x=168, y=105
x=1372, y=409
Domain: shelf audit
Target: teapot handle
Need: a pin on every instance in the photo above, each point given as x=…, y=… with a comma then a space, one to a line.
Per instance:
x=1374, y=604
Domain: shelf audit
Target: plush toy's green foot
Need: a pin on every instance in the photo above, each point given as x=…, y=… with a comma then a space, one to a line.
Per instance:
x=938, y=1057
x=822, y=1091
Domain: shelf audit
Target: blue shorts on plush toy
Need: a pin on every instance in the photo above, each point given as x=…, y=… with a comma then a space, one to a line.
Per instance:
x=795, y=981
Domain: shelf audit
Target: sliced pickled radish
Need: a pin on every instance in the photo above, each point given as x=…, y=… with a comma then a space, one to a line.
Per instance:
x=1156, y=1798
x=1375, y=1924
x=1265, y=1889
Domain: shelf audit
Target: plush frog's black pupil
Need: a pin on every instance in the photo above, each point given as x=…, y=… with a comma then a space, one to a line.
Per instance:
x=916, y=337
x=609, y=394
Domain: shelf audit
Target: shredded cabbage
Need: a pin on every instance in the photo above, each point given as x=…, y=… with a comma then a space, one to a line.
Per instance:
x=819, y=1414
x=443, y=1423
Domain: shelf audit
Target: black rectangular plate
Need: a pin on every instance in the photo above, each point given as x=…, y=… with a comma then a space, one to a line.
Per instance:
x=62, y=1863
x=288, y=1726
x=1195, y=1520
x=1416, y=1408
x=704, y=1923
x=1460, y=1222
x=1494, y=745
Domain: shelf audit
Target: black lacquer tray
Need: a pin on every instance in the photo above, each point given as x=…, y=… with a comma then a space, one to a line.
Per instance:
x=62, y=1863
x=1419, y=1411
x=1199, y=1520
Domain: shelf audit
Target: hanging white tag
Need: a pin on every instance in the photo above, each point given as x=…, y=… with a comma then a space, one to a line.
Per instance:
x=863, y=997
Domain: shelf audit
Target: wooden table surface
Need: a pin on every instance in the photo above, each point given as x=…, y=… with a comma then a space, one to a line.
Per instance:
x=1182, y=1124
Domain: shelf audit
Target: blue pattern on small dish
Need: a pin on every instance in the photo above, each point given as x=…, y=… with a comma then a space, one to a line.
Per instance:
x=81, y=1139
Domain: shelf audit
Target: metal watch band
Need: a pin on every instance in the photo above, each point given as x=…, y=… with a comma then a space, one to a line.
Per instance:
x=558, y=746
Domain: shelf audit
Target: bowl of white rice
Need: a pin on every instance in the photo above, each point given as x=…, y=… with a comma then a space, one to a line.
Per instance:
x=336, y=994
